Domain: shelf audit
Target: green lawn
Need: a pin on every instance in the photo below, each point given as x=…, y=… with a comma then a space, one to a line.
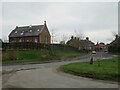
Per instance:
x=64, y=54
x=107, y=70
x=36, y=55
x=24, y=55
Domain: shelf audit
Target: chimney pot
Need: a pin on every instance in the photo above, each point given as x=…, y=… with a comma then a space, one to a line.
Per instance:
x=71, y=37
x=16, y=26
x=44, y=22
x=116, y=36
x=87, y=38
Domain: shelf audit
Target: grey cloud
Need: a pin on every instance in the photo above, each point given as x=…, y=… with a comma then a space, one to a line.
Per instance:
x=66, y=17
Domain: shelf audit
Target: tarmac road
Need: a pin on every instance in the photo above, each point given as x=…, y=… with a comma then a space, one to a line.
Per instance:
x=47, y=76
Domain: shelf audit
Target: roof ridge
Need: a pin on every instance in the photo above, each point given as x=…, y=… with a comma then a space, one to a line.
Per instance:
x=36, y=30
x=22, y=26
x=37, y=25
x=28, y=26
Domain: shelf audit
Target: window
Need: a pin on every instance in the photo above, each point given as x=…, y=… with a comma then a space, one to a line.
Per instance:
x=15, y=31
x=38, y=30
x=21, y=33
x=30, y=30
x=20, y=40
x=36, y=40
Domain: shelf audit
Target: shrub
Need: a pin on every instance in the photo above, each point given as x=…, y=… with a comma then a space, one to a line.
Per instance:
x=114, y=49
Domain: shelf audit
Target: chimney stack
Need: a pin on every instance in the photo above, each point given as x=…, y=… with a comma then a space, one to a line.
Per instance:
x=44, y=22
x=87, y=38
x=71, y=37
x=116, y=36
x=16, y=26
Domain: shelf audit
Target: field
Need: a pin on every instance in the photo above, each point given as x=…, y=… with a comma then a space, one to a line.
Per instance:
x=36, y=55
x=106, y=69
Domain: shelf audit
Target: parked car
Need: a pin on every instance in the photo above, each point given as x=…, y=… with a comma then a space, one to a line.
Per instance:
x=93, y=52
x=106, y=51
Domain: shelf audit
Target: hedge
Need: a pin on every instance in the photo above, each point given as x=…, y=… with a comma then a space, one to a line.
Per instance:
x=28, y=45
x=114, y=49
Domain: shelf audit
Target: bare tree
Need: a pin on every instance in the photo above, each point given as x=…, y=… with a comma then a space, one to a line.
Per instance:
x=64, y=37
x=114, y=34
x=5, y=39
x=79, y=34
x=53, y=34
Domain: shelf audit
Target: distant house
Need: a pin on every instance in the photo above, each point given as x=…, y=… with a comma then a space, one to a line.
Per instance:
x=73, y=42
x=114, y=46
x=81, y=44
x=86, y=44
x=115, y=42
x=101, y=46
x=32, y=33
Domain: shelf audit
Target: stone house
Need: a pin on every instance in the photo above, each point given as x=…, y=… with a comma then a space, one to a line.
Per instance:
x=32, y=33
x=114, y=46
x=115, y=42
x=81, y=44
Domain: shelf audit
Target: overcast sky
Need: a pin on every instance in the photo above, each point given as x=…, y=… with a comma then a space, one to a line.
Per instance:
x=96, y=20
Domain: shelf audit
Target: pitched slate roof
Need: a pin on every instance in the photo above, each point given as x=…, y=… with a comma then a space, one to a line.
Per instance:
x=116, y=41
x=27, y=31
x=86, y=42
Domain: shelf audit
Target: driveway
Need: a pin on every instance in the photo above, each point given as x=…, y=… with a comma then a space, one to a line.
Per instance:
x=47, y=76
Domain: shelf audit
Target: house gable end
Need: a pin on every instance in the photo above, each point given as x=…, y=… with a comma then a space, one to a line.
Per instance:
x=45, y=36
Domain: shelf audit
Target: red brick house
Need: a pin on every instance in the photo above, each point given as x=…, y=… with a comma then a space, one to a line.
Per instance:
x=101, y=46
x=32, y=33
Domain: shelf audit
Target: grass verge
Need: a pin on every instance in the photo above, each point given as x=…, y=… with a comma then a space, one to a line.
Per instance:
x=18, y=56
x=106, y=69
